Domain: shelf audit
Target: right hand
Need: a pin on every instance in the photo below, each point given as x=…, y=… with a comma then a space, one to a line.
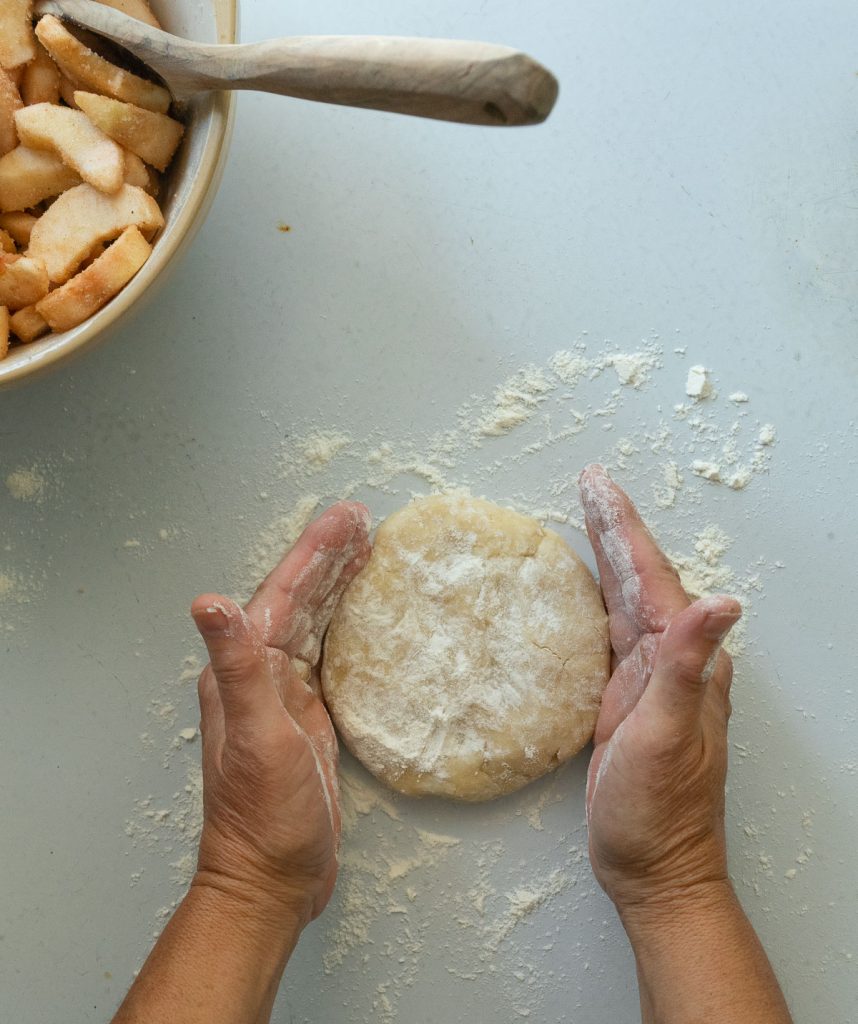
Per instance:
x=271, y=809
x=655, y=788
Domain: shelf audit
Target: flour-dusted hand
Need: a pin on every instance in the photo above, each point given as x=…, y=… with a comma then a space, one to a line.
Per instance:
x=655, y=789
x=267, y=862
x=655, y=793
x=271, y=810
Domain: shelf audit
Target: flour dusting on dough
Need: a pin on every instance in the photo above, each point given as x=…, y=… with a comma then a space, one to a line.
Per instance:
x=469, y=657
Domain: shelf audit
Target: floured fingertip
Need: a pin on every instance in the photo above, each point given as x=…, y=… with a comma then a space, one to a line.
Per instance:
x=603, y=502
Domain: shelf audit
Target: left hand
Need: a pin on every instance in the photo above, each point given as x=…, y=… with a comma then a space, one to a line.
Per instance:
x=271, y=808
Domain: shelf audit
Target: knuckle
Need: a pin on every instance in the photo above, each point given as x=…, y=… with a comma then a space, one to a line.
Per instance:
x=234, y=671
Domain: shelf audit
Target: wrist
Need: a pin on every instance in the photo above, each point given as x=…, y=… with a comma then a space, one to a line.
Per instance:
x=699, y=959
x=674, y=914
x=220, y=957
x=264, y=885
x=273, y=914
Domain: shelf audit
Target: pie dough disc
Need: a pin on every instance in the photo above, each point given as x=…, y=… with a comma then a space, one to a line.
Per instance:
x=469, y=657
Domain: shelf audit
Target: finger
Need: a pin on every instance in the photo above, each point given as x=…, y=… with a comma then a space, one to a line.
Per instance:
x=328, y=554
x=641, y=587
x=290, y=681
x=212, y=725
x=211, y=709
x=310, y=718
x=722, y=677
x=238, y=661
x=622, y=626
x=626, y=687
x=309, y=650
x=721, y=683
x=301, y=701
x=594, y=774
x=317, y=726
x=687, y=658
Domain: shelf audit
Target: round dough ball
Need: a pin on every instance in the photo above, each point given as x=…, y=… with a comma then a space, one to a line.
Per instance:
x=470, y=655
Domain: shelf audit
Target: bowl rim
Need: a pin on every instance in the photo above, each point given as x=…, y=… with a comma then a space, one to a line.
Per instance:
x=33, y=359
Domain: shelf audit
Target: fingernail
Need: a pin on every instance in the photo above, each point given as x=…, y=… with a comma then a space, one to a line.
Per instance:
x=213, y=621
x=719, y=624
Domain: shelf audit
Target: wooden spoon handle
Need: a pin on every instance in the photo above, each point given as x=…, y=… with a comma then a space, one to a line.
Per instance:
x=451, y=80
x=473, y=83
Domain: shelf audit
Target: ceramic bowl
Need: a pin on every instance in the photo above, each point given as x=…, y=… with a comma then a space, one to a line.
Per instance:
x=189, y=188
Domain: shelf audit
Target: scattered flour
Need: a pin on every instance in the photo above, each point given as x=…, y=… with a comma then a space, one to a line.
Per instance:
x=171, y=827
x=10, y=587
x=698, y=385
x=26, y=484
x=516, y=401
x=704, y=573
x=318, y=449
x=401, y=884
x=666, y=492
x=273, y=541
x=16, y=591
x=707, y=470
x=634, y=369
x=551, y=794
x=767, y=434
x=520, y=397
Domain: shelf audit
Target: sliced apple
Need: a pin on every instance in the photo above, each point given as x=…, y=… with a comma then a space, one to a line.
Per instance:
x=153, y=137
x=27, y=176
x=10, y=102
x=4, y=331
x=40, y=82
x=90, y=71
x=76, y=140
x=18, y=225
x=135, y=171
x=79, y=219
x=88, y=291
x=28, y=324
x=23, y=281
x=17, y=42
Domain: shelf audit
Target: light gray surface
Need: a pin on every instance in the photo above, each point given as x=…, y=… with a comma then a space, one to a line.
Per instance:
x=699, y=176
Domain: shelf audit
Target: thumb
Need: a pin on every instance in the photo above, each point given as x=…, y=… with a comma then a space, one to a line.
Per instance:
x=238, y=659
x=687, y=656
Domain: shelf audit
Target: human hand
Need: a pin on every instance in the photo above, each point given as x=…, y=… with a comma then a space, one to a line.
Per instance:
x=655, y=787
x=271, y=808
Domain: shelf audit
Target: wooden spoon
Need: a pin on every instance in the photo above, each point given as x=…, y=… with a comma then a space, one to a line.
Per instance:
x=450, y=80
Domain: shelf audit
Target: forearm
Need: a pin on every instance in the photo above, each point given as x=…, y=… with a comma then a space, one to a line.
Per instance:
x=699, y=961
x=220, y=958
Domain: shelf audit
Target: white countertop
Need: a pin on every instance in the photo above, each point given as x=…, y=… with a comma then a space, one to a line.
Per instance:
x=697, y=186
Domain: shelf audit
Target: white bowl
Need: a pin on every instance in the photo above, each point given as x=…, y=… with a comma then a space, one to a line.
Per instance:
x=190, y=187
